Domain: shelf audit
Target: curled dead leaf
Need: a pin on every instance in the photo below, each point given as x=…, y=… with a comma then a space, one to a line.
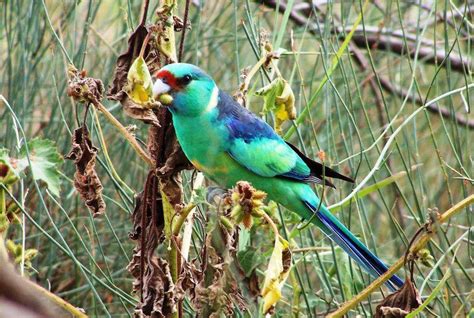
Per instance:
x=125, y=60
x=217, y=291
x=138, y=112
x=86, y=180
x=400, y=303
x=163, y=143
x=82, y=88
x=121, y=82
x=158, y=298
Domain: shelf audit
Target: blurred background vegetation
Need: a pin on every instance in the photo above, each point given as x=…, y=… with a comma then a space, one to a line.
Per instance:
x=402, y=54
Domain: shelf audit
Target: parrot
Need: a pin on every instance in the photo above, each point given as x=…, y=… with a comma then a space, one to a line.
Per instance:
x=228, y=144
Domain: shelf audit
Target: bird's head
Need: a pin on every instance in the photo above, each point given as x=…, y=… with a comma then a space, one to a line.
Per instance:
x=193, y=92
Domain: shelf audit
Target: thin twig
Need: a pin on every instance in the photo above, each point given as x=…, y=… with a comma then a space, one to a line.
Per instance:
x=183, y=35
x=146, y=4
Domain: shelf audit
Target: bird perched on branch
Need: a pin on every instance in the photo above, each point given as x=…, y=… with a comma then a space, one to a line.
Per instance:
x=228, y=144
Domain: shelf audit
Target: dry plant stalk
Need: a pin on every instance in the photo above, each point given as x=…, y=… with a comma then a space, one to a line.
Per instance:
x=161, y=200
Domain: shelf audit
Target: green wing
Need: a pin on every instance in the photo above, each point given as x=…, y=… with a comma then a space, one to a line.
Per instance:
x=269, y=158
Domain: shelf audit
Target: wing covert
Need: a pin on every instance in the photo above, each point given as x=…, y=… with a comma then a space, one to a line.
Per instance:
x=254, y=144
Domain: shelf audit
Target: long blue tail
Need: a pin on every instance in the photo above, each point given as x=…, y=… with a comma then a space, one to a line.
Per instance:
x=333, y=228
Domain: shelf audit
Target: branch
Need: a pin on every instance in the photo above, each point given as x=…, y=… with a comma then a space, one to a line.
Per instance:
x=125, y=133
x=402, y=94
x=427, y=54
x=380, y=38
x=422, y=241
x=392, y=41
x=74, y=311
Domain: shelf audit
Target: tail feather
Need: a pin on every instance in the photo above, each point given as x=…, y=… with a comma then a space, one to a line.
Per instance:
x=352, y=246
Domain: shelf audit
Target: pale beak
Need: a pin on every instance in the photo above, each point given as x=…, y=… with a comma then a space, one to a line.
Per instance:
x=160, y=88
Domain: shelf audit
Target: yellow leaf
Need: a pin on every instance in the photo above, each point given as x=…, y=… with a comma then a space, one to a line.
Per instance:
x=279, y=98
x=276, y=274
x=140, y=85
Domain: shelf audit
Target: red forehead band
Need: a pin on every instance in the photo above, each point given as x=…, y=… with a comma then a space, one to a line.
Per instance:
x=167, y=78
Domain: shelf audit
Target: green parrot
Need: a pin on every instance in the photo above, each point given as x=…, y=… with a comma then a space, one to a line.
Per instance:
x=228, y=144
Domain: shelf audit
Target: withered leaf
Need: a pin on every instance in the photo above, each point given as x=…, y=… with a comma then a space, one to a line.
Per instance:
x=86, y=180
x=166, y=151
x=400, y=303
x=152, y=275
x=218, y=290
x=137, y=216
x=125, y=60
x=189, y=278
x=138, y=112
x=82, y=88
x=159, y=299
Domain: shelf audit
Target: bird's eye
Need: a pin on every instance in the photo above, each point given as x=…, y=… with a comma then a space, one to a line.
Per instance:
x=164, y=80
x=186, y=79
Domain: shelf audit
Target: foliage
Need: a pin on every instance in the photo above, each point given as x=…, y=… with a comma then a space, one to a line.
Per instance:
x=41, y=156
x=355, y=77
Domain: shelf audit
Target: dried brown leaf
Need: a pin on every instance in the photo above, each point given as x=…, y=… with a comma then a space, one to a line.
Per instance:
x=188, y=279
x=159, y=298
x=218, y=296
x=120, y=81
x=170, y=159
x=136, y=111
x=137, y=217
x=86, y=180
x=400, y=303
x=125, y=60
x=158, y=293
x=82, y=88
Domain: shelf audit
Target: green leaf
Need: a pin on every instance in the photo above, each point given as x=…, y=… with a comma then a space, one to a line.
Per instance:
x=45, y=161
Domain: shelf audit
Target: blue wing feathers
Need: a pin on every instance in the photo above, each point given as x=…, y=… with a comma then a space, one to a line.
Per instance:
x=242, y=123
x=352, y=246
